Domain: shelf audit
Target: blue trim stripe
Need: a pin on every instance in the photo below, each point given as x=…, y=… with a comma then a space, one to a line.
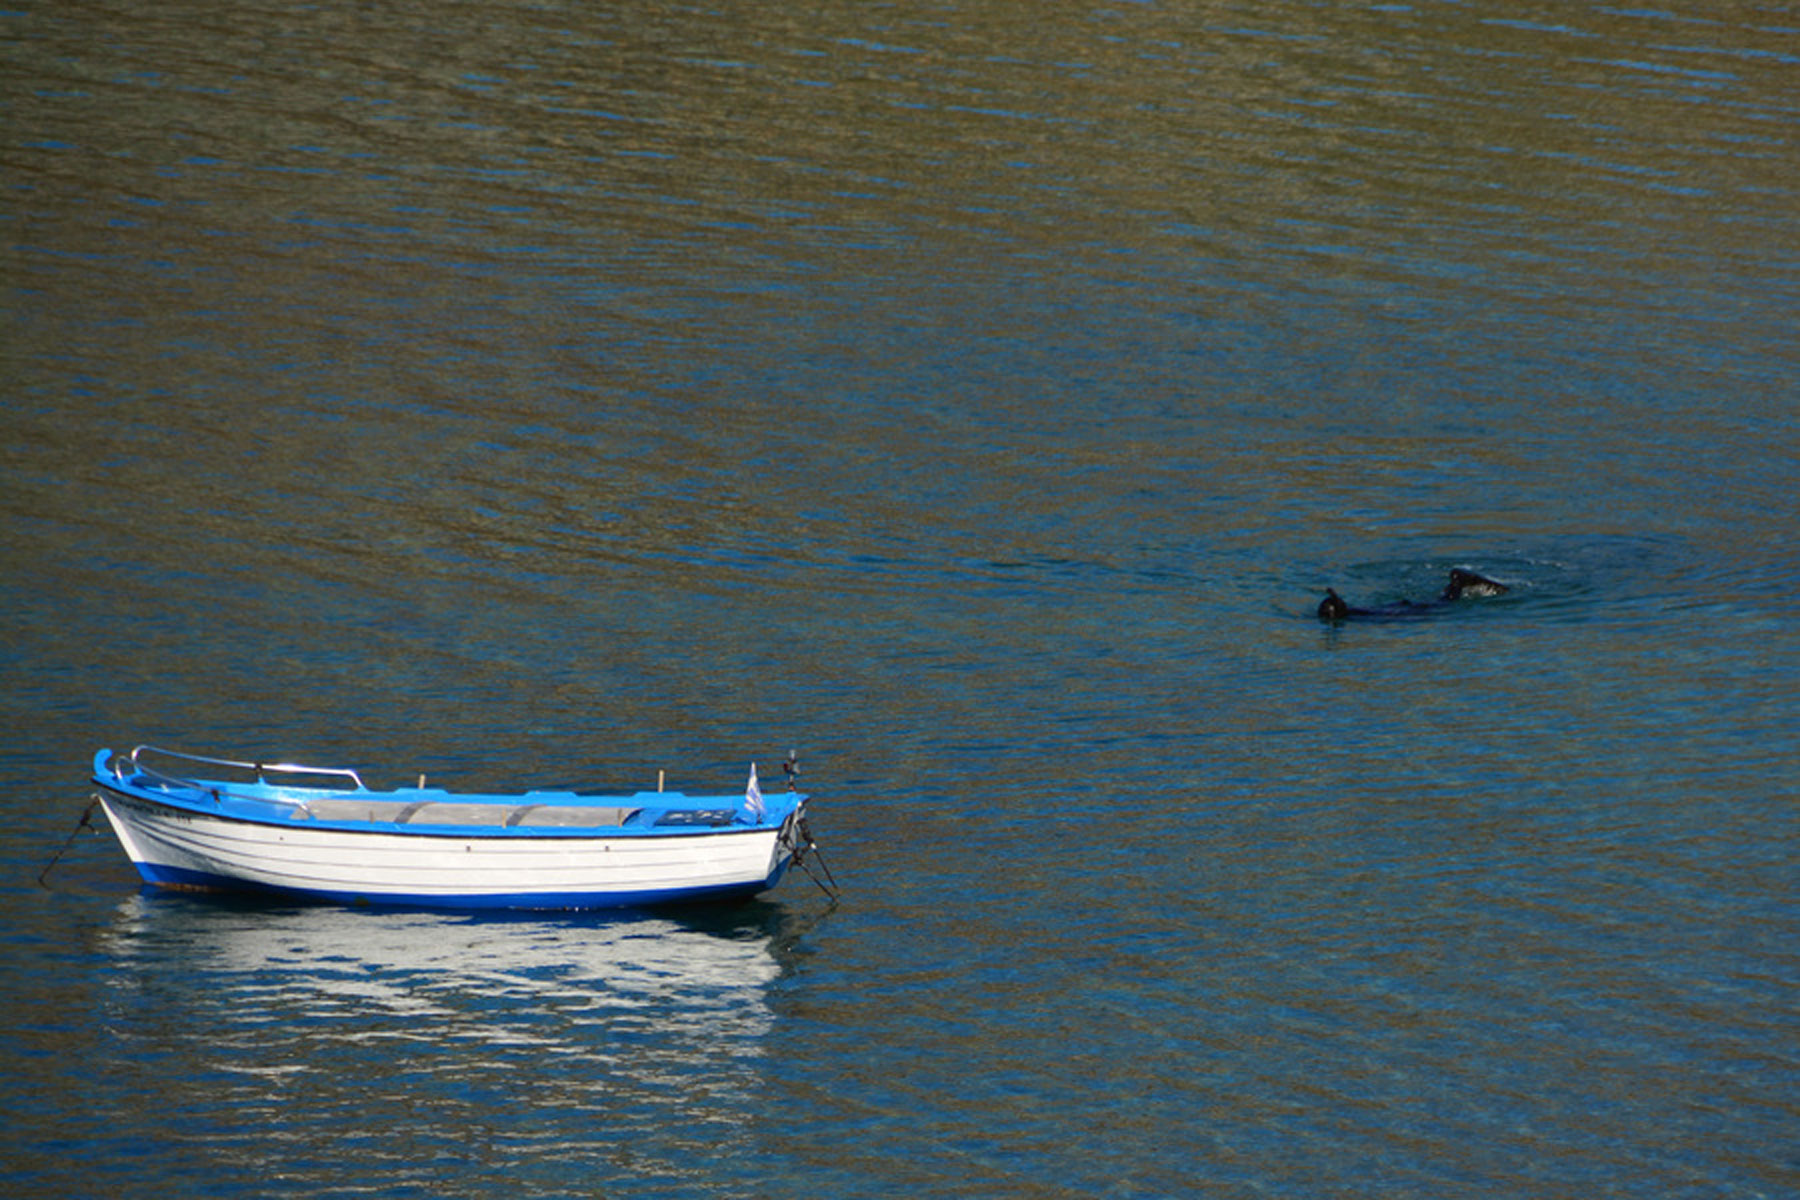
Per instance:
x=182, y=879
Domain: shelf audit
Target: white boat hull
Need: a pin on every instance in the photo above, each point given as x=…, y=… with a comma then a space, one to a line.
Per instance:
x=181, y=848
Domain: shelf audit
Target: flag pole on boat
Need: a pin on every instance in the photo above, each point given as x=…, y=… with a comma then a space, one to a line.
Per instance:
x=753, y=797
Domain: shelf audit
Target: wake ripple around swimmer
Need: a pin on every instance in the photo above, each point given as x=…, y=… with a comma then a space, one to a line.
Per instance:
x=1568, y=581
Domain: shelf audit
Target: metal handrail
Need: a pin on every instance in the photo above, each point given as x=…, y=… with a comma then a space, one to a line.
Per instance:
x=259, y=768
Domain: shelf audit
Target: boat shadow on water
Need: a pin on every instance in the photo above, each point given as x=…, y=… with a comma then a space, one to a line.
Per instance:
x=299, y=955
x=614, y=1014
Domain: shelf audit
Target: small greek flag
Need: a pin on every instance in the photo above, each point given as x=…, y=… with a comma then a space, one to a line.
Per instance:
x=753, y=797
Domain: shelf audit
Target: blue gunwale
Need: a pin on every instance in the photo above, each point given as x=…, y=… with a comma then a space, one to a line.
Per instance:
x=634, y=815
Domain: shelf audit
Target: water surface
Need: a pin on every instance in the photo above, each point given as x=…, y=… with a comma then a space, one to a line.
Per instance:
x=978, y=402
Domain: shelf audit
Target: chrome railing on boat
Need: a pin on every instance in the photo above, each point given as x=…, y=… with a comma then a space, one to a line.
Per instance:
x=256, y=767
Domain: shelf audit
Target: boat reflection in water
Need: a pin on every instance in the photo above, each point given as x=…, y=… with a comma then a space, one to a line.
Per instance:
x=440, y=1040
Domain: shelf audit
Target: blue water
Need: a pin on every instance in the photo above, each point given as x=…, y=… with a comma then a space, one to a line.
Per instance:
x=977, y=402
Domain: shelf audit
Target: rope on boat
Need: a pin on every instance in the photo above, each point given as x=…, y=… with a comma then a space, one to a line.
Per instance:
x=805, y=847
x=813, y=847
x=86, y=822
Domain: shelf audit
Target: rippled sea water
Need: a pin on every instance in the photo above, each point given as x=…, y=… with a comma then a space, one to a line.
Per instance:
x=978, y=400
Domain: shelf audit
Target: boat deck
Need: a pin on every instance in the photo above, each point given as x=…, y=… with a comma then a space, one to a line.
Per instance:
x=420, y=810
x=427, y=810
x=508, y=814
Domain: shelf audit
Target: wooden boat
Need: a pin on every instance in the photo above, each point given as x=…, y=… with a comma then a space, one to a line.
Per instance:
x=321, y=834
